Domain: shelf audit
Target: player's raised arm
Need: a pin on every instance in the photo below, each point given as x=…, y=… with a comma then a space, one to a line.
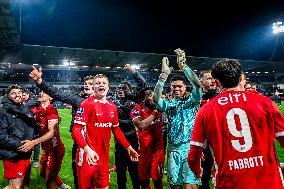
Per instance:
x=166, y=70
x=143, y=123
x=54, y=92
x=191, y=76
x=140, y=80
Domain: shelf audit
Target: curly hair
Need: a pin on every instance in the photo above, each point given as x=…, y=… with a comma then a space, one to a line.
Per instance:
x=13, y=86
x=227, y=72
x=142, y=93
x=126, y=83
x=178, y=78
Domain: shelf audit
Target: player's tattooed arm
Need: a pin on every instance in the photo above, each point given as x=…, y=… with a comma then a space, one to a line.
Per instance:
x=144, y=123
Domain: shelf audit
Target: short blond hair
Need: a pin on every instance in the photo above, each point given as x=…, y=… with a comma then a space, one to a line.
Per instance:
x=100, y=76
x=89, y=77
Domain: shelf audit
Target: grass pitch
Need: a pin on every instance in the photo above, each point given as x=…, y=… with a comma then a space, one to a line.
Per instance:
x=66, y=170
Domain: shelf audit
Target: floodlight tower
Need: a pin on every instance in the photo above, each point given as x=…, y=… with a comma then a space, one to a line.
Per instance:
x=278, y=30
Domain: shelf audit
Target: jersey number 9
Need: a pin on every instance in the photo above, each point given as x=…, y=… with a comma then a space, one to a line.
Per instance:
x=243, y=133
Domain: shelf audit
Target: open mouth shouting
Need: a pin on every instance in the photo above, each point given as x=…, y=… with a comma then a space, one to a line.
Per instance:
x=40, y=97
x=101, y=90
x=18, y=99
x=121, y=94
x=86, y=90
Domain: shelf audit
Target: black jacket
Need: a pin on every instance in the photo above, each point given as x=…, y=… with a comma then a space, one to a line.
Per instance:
x=209, y=95
x=16, y=125
x=124, y=108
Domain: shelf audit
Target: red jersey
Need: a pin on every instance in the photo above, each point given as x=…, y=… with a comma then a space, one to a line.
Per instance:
x=93, y=124
x=240, y=127
x=43, y=116
x=150, y=137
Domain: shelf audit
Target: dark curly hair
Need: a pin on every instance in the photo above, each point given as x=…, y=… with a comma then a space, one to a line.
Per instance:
x=227, y=72
x=126, y=83
x=142, y=93
x=178, y=78
x=13, y=86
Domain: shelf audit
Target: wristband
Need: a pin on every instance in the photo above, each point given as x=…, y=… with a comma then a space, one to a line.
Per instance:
x=155, y=113
x=163, y=77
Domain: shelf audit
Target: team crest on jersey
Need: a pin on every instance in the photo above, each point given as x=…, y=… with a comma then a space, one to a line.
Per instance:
x=79, y=118
x=80, y=111
x=112, y=114
x=135, y=112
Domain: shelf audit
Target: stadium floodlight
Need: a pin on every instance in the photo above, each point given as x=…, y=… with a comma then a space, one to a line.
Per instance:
x=277, y=28
x=72, y=63
x=65, y=62
x=135, y=66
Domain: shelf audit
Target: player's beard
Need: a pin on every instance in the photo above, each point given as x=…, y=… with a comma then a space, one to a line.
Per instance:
x=212, y=90
x=18, y=100
x=212, y=87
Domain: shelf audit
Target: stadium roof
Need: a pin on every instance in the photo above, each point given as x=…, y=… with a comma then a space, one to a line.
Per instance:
x=23, y=56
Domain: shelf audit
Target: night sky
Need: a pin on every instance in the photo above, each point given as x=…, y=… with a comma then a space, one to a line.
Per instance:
x=204, y=29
